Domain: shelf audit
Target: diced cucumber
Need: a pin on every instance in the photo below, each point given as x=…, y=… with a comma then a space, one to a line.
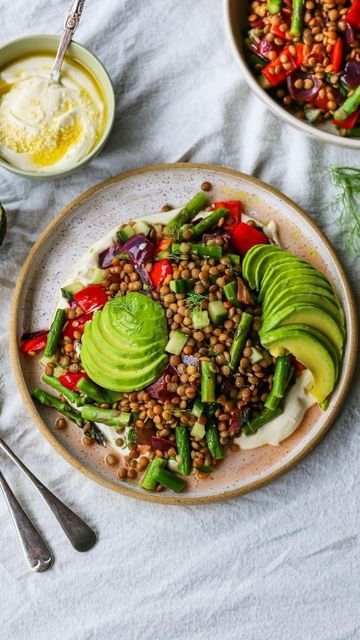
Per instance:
x=180, y=286
x=176, y=342
x=45, y=360
x=200, y=319
x=173, y=465
x=217, y=312
x=230, y=292
x=97, y=276
x=58, y=371
x=198, y=431
x=234, y=258
x=70, y=289
x=198, y=408
x=311, y=114
x=141, y=227
x=256, y=355
x=126, y=233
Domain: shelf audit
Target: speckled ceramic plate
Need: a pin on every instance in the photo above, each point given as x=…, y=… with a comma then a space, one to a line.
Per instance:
x=131, y=195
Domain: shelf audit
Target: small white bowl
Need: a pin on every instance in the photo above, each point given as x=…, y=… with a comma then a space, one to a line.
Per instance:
x=235, y=14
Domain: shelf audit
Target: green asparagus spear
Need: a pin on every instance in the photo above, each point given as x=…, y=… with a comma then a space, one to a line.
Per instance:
x=54, y=333
x=207, y=381
x=148, y=480
x=274, y=6
x=241, y=333
x=70, y=395
x=110, y=417
x=213, y=440
x=230, y=292
x=297, y=17
x=280, y=382
x=191, y=209
x=51, y=401
x=169, y=480
x=93, y=391
x=208, y=223
x=266, y=416
x=201, y=249
x=349, y=106
x=183, y=447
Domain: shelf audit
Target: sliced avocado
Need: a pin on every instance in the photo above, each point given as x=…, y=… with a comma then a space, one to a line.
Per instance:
x=252, y=257
x=269, y=260
x=311, y=348
x=277, y=273
x=308, y=315
x=297, y=278
x=123, y=346
x=327, y=304
x=308, y=285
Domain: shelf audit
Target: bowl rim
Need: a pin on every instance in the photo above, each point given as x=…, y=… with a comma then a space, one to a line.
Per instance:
x=275, y=108
x=127, y=490
x=110, y=105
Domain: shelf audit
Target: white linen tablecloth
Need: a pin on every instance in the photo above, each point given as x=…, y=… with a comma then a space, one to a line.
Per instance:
x=281, y=562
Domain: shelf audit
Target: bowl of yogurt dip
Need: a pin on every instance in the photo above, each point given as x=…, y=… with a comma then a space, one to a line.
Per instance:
x=51, y=129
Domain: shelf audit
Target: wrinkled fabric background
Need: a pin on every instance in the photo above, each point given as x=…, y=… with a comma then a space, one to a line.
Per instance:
x=279, y=563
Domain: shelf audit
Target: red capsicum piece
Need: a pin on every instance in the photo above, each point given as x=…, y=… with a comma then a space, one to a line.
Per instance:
x=350, y=122
x=70, y=380
x=244, y=237
x=91, y=298
x=234, y=207
x=353, y=15
x=159, y=271
x=37, y=343
x=277, y=78
x=337, y=55
x=321, y=103
x=77, y=324
x=163, y=245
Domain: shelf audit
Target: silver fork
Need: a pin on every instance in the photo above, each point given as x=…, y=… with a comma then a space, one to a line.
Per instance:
x=36, y=552
x=77, y=531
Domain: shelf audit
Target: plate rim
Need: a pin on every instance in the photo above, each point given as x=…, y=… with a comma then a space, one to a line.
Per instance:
x=127, y=489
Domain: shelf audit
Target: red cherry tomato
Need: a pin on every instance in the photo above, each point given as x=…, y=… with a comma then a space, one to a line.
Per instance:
x=234, y=207
x=37, y=343
x=91, y=298
x=350, y=122
x=159, y=271
x=244, y=237
x=353, y=15
x=77, y=324
x=70, y=380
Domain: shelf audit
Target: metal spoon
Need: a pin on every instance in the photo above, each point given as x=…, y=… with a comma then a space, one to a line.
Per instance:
x=37, y=554
x=71, y=24
x=78, y=532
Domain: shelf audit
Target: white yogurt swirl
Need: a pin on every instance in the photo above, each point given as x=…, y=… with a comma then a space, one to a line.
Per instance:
x=46, y=126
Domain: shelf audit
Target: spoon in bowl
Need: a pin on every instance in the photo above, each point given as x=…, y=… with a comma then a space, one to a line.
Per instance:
x=71, y=24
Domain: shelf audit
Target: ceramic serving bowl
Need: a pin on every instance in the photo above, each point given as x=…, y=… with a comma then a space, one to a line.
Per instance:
x=143, y=192
x=235, y=14
x=44, y=44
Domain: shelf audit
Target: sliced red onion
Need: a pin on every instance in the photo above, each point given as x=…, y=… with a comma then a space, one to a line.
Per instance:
x=303, y=95
x=140, y=251
x=349, y=34
x=190, y=360
x=161, y=443
x=235, y=422
x=158, y=389
x=106, y=257
x=351, y=75
x=262, y=47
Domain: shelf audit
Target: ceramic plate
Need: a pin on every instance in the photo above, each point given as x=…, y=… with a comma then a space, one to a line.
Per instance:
x=142, y=192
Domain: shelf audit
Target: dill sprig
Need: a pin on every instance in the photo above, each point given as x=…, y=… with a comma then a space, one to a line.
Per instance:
x=194, y=301
x=347, y=201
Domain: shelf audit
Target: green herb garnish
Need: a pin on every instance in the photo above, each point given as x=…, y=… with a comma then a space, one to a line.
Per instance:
x=194, y=301
x=347, y=201
x=130, y=438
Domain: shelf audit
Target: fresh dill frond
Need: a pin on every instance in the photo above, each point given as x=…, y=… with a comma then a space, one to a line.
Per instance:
x=347, y=202
x=194, y=301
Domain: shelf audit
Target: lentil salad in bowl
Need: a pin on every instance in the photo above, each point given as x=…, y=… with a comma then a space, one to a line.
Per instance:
x=194, y=400
x=303, y=59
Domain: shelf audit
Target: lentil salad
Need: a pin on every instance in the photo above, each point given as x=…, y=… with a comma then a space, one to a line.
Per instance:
x=307, y=54
x=219, y=379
